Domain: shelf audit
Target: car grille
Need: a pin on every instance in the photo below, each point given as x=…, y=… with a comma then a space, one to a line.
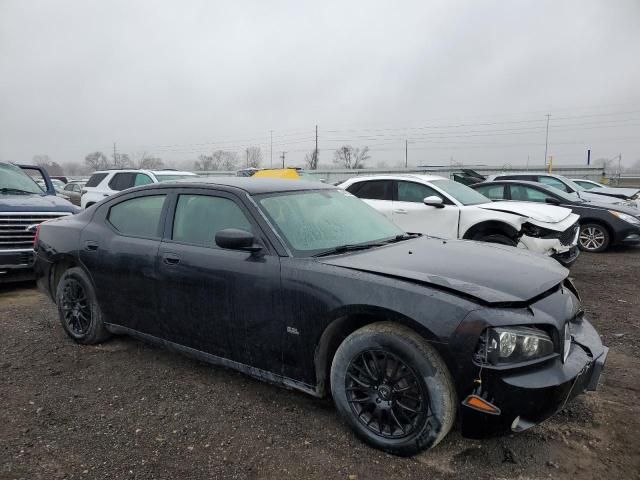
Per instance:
x=13, y=228
x=567, y=237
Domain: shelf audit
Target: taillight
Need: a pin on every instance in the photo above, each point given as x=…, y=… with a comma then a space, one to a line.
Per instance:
x=35, y=237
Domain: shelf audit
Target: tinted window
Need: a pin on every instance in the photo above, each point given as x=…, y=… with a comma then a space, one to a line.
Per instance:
x=122, y=181
x=530, y=178
x=372, y=190
x=70, y=187
x=142, y=179
x=527, y=194
x=95, y=179
x=199, y=217
x=139, y=216
x=415, y=192
x=494, y=192
x=554, y=182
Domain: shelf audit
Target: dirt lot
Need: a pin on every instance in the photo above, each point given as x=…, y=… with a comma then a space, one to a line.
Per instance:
x=127, y=410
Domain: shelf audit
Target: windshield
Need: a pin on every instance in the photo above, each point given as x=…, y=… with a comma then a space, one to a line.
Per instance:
x=572, y=184
x=463, y=194
x=14, y=180
x=311, y=222
x=168, y=178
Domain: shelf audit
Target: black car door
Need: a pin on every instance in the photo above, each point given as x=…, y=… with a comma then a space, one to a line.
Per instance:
x=119, y=249
x=223, y=302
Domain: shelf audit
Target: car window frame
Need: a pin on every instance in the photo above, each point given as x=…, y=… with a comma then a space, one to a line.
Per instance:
x=391, y=189
x=506, y=191
x=396, y=191
x=102, y=213
x=260, y=232
x=532, y=187
x=566, y=188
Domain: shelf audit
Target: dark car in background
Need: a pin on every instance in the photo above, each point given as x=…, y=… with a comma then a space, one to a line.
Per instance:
x=305, y=286
x=23, y=205
x=601, y=224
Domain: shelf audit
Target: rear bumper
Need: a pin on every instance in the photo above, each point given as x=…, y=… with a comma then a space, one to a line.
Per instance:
x=530, y=395
x=16, y=265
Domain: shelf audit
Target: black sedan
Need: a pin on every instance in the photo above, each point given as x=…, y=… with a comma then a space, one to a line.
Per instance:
x=306, y=286
x=601, y=224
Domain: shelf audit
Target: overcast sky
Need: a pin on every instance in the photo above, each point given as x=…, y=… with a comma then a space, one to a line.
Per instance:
x=470, y=80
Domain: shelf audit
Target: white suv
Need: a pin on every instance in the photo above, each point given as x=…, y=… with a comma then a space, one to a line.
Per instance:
x=107, y=182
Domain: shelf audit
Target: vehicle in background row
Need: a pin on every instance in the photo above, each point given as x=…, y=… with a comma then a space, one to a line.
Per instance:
x=107, y=182
x=62, y=178
x=618, y=192
x=73, y=191
x=444, y=208
x=601, y=224
x=561, y=183
x=23, y=205
x=304, y=285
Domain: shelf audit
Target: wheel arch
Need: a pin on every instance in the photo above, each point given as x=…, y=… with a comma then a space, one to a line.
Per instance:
x=603, y=224
x=62, y=264
x=343, y=324
x=489, y=227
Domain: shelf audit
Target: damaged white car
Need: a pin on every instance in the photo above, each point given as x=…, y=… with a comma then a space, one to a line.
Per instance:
x=440, y=207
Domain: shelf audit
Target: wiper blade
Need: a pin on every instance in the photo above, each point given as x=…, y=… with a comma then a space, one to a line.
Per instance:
x=14, y=190
x=348, y=248
x=405, y=236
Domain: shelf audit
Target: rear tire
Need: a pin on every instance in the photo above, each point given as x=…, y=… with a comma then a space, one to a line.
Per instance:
x=393, y=389
x=78, y=308
x=593, y=238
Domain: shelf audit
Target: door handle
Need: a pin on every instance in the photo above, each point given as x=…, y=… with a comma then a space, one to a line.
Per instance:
x=401, y=211
x=91, y=246
x=105, y=194
x=170, y=259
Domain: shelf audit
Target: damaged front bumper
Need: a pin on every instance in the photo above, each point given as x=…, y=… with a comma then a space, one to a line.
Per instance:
x=529, y=395
x=564, y=250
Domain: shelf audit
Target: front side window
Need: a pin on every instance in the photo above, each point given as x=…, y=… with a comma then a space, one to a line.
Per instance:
x=463, y=194
x=138, y=216
x=554, y=182
x=199, y=217
x=372, y=190
x=527, y=194
x=318, y=220
x=415, y=192
x=494, y=192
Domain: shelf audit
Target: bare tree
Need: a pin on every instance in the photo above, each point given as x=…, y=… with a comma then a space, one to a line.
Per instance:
x=96, y=161
x=205, y=163
x=41, y=160
x=254, y=157
x=122, y=160
x=350, y=157
x=311, y=159
x=228, y=160
x=150, y=163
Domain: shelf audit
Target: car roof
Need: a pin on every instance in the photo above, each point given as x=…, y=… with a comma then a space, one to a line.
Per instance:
x=253, y=186
x=172, y=172
x=402, y=176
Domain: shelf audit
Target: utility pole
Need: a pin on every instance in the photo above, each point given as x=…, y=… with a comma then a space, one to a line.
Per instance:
x=115, y=155
x=282, y=157
x=247, y=157
x=406, y=153
x=546, y=141
x=271, y=150
x=316, y=152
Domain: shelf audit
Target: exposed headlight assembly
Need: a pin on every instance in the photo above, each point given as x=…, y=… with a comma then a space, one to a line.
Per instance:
x=625, y=217
x=509, y=345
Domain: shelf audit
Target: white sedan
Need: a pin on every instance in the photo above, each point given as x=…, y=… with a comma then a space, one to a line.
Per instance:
x=440, y=207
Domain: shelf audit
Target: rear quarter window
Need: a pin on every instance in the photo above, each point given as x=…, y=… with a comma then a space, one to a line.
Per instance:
x=139, y=217
x=95, y=179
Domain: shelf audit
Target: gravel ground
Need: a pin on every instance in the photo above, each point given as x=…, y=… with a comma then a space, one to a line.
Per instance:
x=127, y=410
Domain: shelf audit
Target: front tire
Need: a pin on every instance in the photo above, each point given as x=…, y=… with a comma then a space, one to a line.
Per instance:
x=593, y=238
x=393, y=389
x=78, y=308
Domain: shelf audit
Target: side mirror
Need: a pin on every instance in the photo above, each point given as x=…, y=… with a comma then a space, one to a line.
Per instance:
x=234, y=239
x=552, y=201
x=433, y=201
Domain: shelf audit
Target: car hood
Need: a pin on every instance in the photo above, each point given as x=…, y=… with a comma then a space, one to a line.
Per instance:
x=35, y=203
x=626, y=193
x=486, y=273
x=598, y=197
x=610, y=206
x=535, y=211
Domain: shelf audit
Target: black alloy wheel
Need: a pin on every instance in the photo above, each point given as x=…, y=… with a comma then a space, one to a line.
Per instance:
x=385, y=394
x=593, y=238
x=393, y=389
x=75, y=307
x=78, y=308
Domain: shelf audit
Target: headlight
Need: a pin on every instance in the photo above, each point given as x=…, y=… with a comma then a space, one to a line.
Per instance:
x=507, y=345
x=625, y=217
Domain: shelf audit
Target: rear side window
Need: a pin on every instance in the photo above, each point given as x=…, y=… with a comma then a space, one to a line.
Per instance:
x=494, y=192
x=95, y=179
x=122, y=181
x=415, y=192
x=142, y=179
x=372, y=190
x=199, y=217
x=138, y=216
